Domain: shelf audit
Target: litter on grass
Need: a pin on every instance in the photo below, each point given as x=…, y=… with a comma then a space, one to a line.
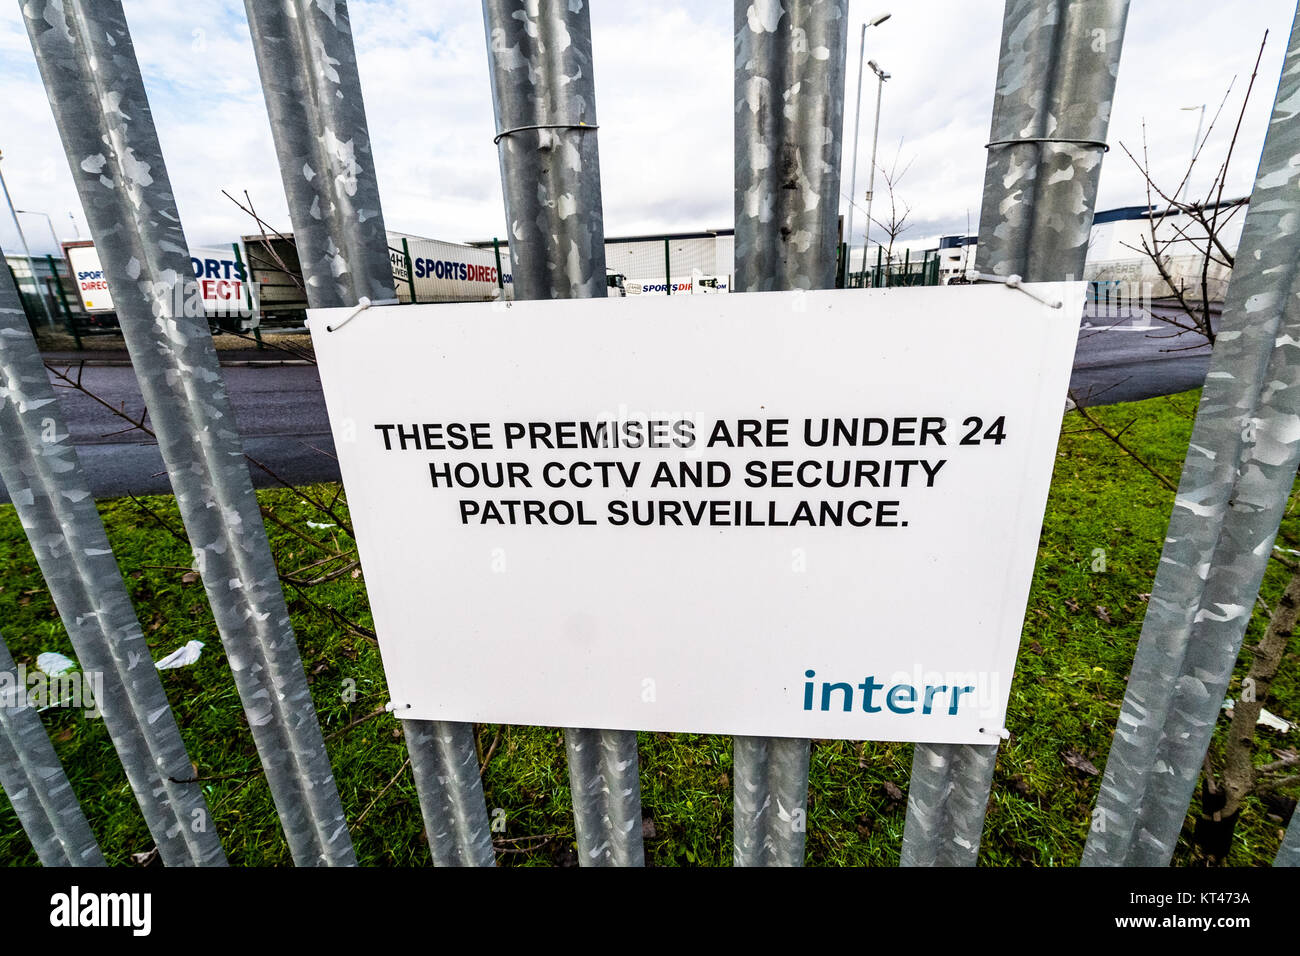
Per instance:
x=182, y=658
x=54, y=664
x=1266, y=718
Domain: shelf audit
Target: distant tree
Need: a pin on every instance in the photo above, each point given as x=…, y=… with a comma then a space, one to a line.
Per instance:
x=1197, y=225
x=899, y=209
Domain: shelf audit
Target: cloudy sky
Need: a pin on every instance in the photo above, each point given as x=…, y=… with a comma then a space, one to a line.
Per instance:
x=664, y=101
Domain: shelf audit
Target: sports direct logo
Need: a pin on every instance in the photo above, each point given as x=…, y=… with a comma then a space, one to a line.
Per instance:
x=704, y=284
x=92, y=284
x=462, y=271
x=648, y=287
x=221, y=285
x=449, y=270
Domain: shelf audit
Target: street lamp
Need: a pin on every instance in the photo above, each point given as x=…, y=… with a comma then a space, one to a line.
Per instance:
x=36, y=212
x=881, y=76
x=853, y=172
x=58, y=246
x=31, y=264
x=1196, y=142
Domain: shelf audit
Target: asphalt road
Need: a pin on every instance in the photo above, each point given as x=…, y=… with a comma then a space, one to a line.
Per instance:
x=1129, y=359
x=281, y=411
x=279, y=408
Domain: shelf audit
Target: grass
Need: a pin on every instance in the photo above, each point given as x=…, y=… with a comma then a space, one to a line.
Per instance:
x=1081, y=629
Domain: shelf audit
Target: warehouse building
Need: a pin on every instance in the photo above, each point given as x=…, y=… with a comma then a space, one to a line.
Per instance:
x=665, y=264
x=1117, y=250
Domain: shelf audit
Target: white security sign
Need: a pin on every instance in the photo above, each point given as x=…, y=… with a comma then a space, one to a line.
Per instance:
x=807, y=514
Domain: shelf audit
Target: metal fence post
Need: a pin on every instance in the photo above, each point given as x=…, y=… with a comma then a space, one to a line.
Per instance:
x=444, y=762
x=313, y=97
x=1240, y=466
x=544, y=97
x=1056, y=80
x=308, y=65
x=543, y=92
x=1051, y=111
x=789, y=136
x=91, y=75
x=410, y=269
x=253, y=307
x=33, y=780
x=1288, y=853
x=68, y=317
x=789, y=103
x=40, y=469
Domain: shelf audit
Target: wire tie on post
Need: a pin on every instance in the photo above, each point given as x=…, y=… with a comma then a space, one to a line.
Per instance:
x=362, y=304
x=519, y=129
x=1015, y=282
x=1002, y=734
x=393, y=707
x=1095, y=143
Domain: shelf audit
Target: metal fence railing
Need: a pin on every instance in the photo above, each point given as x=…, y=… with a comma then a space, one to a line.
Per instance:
x=896, y=270
x=1056, y=76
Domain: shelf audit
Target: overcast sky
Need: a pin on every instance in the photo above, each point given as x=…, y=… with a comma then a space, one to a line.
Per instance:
x=664, y=103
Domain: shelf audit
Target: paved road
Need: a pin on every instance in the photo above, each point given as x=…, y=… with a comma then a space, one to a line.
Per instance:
x=1125, y=360
x=281, y=412
x=279, y=408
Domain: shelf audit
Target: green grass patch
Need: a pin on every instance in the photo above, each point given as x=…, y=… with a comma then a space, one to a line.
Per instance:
x=1081, y=630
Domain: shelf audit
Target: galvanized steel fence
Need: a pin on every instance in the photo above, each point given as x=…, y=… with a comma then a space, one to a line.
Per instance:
x=1240, y=468
x=91, y=74
x=1055, y=83
x=789, y=134
x=1051, y=109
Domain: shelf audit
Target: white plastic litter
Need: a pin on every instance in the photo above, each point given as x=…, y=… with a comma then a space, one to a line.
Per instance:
x=1266, y=718
x=55, y=664
x=1274, y=721
x=182, y=658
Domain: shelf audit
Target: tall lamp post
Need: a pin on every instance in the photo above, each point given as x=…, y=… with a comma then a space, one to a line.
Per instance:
x=857, y=122
x=50, y=222
x=58, y=246
x=881, y=76
x=1196, y=143
x=31, y=264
